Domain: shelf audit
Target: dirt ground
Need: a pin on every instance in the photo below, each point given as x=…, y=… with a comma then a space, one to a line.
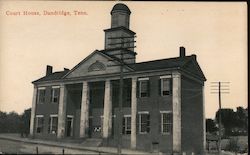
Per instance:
x=14, y=147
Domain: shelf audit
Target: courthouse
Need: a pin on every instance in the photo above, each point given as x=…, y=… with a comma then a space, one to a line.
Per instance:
x=162, y=106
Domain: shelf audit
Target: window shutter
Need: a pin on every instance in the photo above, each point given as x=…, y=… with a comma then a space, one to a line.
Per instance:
x=123, y=125
x=137, y=123
x=159, y=87
x=50, y=94
x=171, y=85
x=148, y=123
x=58, y=95
x=159, y=121
x=148, y=88
x=137, y=89
x=171, y=129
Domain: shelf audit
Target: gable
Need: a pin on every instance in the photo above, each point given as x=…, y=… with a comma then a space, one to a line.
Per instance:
x=193, y=67
x=96, y=63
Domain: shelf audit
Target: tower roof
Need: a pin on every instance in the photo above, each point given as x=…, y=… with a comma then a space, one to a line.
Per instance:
x=121, y=7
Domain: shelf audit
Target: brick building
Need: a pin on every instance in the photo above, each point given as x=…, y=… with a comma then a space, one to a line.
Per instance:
x=163, y=100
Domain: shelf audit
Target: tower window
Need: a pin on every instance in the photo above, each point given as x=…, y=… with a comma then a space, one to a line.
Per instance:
x=114, y=20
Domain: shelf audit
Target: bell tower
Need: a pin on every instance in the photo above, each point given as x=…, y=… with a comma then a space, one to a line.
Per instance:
x=120, y=16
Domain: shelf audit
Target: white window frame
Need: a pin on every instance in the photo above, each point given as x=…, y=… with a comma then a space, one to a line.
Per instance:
x=39, y=95
x=140, y=83
x=162, y=78
x=126, y=124
x=51, y=122
x=53, y=94
x=140, y=113
x=166, y=123
x=71, y=130
x=39, y=116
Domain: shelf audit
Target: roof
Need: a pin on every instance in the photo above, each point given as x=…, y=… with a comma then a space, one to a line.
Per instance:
x=120, y=28
x=53, y=76
x=170, y=63
x=121, y=7
x=106, y=51
x=160, y=64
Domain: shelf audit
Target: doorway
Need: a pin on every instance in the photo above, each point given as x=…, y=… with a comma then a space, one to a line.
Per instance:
x=69, y=130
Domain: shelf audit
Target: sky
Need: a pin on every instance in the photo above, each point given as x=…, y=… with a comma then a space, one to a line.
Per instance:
x=215, y=31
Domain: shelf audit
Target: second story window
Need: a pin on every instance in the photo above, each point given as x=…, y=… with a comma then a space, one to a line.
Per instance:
x=126, y=124
x=165, y=85
x=55, y=94
x=144, y=87
x=41, y=95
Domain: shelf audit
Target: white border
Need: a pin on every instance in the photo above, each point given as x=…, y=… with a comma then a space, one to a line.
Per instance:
x=166, y=77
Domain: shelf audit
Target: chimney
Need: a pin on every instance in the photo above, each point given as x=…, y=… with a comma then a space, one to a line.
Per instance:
x=49, y=70
x=66, y=69
x=194, y=56
x=182, y=52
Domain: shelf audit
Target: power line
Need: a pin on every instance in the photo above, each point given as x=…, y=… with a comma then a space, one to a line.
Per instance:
x=219, y=91
x=123, y=50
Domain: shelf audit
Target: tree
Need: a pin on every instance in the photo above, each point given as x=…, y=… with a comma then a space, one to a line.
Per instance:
x=3, y=118
x=25, y=122
x=9, y=122
x=233, y=120
x=227, y=119
x=13, y=123
x=211, y=126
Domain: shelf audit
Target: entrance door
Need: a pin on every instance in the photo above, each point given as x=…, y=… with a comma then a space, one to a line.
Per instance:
x=97, y=127
x=69, y=126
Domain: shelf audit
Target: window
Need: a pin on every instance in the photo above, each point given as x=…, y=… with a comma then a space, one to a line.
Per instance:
x=166, y=122
x=144, y=122
x=126, y=125
x=144, y=87
x=165, y=85
x=53, y=121
x=39, y=123
x=55, y=94
x=41, y=95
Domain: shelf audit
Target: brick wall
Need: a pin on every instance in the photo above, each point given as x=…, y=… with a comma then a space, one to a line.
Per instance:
x=154, y=104
x=192, y=116
x=46, y=109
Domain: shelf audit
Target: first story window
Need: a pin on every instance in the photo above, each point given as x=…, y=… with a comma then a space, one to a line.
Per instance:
x=39, y=123
x=166, y=122
x=69, y=125
x=144, y=122
x=41, y=95
x=55, y=94
x=126, y=124
x=53, y=122
x=165, y=85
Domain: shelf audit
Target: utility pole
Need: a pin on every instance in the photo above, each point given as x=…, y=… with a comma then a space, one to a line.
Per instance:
x=222, y=88
x=121, y=64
